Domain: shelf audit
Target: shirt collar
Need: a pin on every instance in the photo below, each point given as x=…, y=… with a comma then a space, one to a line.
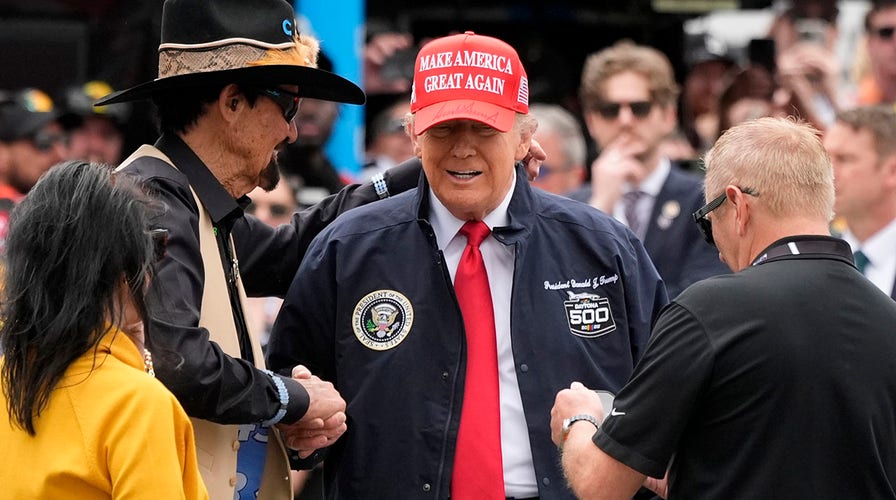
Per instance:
x=879, y=246
x=445, y=225
x=653, y=183
x=221, y=206
x=115, y=343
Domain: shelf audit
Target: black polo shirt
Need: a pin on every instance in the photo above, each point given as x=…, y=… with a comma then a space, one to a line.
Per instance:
x=775, y=382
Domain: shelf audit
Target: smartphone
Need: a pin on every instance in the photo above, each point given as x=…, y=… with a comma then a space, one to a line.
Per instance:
x=606, y=400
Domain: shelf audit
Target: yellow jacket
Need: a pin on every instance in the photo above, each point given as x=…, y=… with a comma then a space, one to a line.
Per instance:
x=109, y=431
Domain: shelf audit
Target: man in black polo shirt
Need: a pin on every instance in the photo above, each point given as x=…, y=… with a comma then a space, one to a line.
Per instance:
x=777, y=381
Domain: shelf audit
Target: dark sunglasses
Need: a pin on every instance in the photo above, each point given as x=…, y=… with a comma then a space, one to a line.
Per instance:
x=610, y=110
x=159, y=243
x=45, y=141
x=705, y=224
x=289, y=102
x=276, y=209
x=884, y=32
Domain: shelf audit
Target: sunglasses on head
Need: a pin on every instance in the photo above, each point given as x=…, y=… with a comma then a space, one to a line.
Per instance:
x=159, y=243
x=884, y=32
x=705, y=224
x=289, y=102
x=45, y=141
x=610, y=110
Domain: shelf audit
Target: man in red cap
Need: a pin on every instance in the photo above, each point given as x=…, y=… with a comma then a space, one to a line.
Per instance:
x=448, y=316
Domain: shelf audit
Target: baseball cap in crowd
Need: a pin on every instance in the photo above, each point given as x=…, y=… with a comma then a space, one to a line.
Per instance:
x=213, y=42
x=24, y=113
x=76, y=102
x=468, y=76
x=704, y=47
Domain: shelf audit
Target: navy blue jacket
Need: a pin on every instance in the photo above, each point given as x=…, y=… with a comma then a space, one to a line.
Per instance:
x=373, y=310
x=672, y=240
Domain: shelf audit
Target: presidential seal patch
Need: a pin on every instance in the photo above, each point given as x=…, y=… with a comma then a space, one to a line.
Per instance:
x=589, y=314
x=382, y=319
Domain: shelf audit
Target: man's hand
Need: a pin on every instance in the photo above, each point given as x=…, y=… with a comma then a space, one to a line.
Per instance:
x=323, y=423
x=573, y=401
x=376, y=52
x=533, y=160
x=616, y=165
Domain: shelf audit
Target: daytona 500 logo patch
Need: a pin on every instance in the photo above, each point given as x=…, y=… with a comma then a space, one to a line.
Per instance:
x=382, y=319
x=589, y=314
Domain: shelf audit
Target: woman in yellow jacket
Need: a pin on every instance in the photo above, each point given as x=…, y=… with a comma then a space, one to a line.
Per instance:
x=86, y=419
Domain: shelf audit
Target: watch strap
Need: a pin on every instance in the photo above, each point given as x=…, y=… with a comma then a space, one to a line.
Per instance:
x=567, y=424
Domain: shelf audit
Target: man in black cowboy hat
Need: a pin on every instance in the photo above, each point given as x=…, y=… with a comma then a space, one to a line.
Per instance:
x=232, y=75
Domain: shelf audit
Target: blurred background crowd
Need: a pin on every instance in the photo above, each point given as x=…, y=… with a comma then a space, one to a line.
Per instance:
x=733, y=60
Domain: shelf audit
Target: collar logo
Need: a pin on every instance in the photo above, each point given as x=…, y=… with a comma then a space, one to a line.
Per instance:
x=382, y=319
x=588, y=314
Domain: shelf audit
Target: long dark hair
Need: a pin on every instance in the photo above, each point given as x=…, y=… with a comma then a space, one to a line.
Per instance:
x=81, y=233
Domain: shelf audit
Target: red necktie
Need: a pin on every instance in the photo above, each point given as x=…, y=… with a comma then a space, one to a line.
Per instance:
x=478, y=470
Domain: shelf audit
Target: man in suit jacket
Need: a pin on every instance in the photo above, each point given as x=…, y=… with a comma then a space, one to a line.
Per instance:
x=628, y=93
x=862, y=145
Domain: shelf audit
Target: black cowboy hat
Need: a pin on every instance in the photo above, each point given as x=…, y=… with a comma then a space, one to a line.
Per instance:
x=209, y=42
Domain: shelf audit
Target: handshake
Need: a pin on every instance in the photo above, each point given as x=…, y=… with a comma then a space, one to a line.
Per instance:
x=324, y=421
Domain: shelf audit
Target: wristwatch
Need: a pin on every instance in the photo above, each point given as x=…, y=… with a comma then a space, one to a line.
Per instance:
x=567, y=423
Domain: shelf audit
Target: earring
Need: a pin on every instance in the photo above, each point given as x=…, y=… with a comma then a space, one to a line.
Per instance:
x=233, y=103
x=147, y=363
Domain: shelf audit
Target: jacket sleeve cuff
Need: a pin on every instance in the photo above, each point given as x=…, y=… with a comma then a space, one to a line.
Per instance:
x=298, y=401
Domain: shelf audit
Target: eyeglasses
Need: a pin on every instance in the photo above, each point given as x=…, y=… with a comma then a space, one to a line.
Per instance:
x=610, y=110
x=275, y=209
x=45, y=141
x=884, y=32
x=705, y=224
x=159, y=243
x=289, y=102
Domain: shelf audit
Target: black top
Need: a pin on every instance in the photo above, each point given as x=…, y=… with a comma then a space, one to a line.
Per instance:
x=774, y=382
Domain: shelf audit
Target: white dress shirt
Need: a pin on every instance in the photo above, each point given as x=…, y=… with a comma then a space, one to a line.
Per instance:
x=651, y=187
x=519, y=471
x=880, y=249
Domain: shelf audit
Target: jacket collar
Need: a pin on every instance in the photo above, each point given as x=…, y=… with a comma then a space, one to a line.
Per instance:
x=520, y=212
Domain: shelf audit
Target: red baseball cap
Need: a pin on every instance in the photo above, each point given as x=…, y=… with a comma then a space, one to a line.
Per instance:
x=468, y=76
